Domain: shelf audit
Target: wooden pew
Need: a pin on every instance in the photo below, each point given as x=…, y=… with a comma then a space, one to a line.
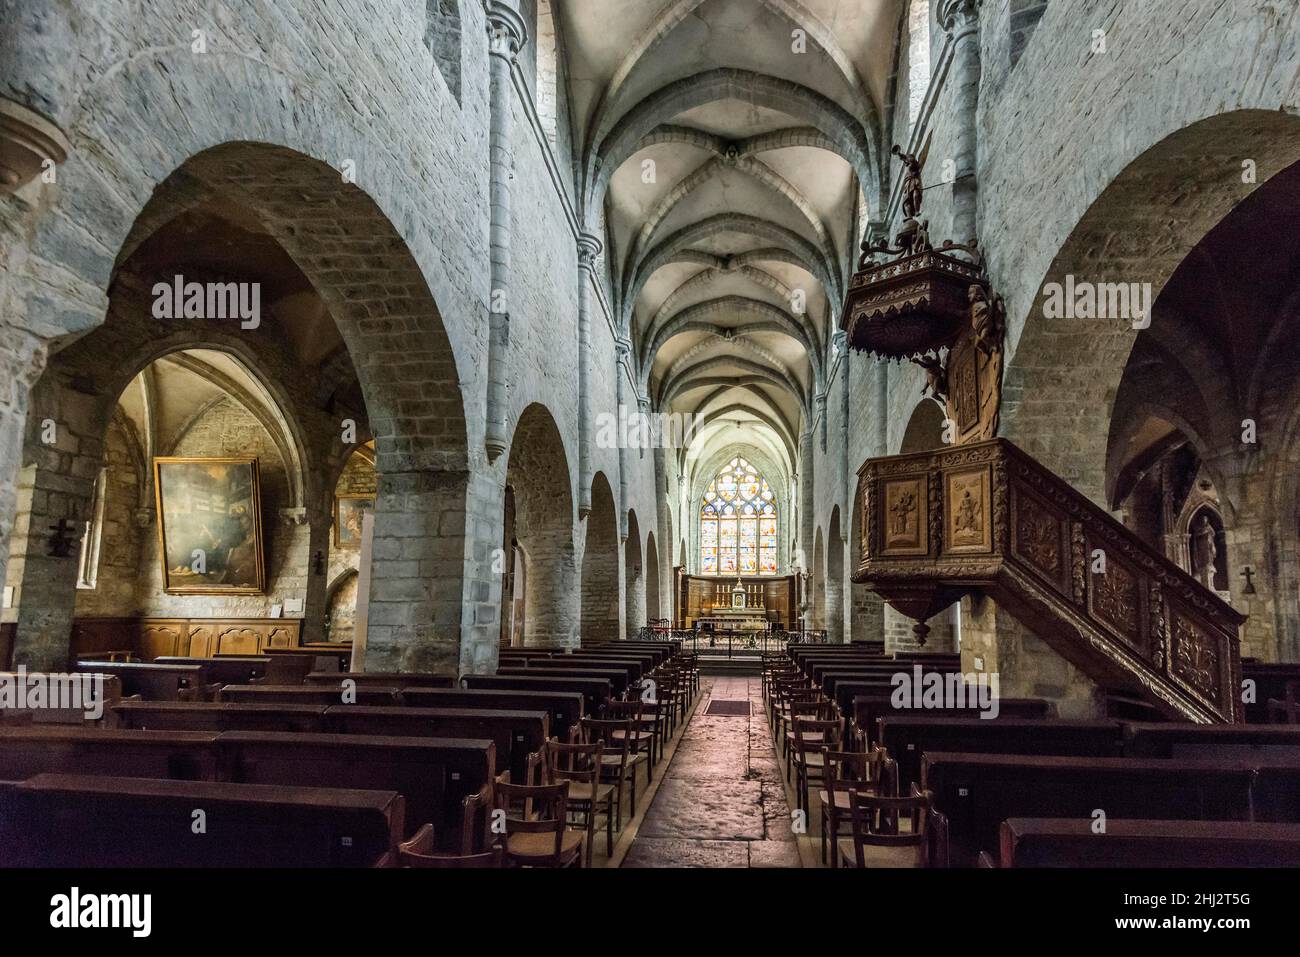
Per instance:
x=301, y=694
x=565, y=708
x=434, y=775
x=218, y=716
x=379, y=679
x=225, y=671
x=289, y=666
x=868, y=709
x=907, y=738
x=516, y=734
x=617, y=677
x=79, y=821
x=974, y=793
x=595, y=692
x=110, y=692
x=150, y=681
x=57, y=749
x=1246, y=742
x=1271, y=679
x=631, y=667
x=1071, y=842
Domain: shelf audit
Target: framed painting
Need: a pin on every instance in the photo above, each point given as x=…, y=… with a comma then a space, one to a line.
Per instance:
x=210, y=525
x=348, y=510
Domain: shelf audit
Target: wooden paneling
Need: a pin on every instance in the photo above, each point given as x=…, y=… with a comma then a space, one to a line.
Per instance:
x=150, y=638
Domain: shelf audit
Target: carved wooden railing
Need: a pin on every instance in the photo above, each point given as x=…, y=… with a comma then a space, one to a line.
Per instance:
x=986, y=517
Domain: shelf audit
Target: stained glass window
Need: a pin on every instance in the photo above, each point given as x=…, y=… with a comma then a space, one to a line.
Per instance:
x=738, y=523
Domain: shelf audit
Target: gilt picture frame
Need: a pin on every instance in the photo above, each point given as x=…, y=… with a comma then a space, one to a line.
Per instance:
x=210, y=525
x=348, y=510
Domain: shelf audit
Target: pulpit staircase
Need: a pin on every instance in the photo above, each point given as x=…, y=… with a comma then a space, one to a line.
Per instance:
x=987, y=518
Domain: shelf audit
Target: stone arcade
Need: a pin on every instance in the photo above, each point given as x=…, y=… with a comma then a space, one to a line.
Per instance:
x=482, y=349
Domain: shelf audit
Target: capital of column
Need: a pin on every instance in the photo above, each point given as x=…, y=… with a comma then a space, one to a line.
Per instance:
x=959, y=17
x=589, y=248
x=840, y=341
x=622, y=348
x=507, y=31
x=28, y=141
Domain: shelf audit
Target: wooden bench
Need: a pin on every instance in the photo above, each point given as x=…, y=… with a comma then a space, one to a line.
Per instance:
x=433, y=774
x=1246, y=742
x=595, y=692
x=974, y=793
x=868, y=709
x=516, y=734
x=379, y=679
x=617, y=677
x=289, y=667
x=565, y=708
x=79, y=821
x=150, y=681
x=1271, y=680
x=225, y=671
x=301, y=694
x=110, y=692
x=56, y=749
x=218, y=716
x=1067, y=842
x=908, y=738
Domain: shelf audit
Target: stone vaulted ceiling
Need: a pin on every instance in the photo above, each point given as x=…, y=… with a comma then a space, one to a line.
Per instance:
x=729, y=146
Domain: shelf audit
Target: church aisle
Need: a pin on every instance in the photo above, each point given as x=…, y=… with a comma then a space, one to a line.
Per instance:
x=722, y=803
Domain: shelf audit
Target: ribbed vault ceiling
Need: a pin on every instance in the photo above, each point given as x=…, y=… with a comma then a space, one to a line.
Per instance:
x=728, y=168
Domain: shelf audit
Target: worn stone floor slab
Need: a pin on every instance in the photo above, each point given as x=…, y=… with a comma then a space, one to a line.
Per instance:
x=721, y=803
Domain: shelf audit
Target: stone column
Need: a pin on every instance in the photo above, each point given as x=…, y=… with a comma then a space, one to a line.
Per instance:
x=506, y=35
x=419, y=603
x=820, y=405
x=806, y=514
x=316, y=591
x=622, y=349
x=960, y=19
x=589, y=247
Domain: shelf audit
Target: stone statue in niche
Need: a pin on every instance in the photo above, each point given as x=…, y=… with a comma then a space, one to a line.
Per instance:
x=1204, y=551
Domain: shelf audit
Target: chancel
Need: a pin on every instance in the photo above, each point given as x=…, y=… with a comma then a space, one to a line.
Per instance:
x=635, y=434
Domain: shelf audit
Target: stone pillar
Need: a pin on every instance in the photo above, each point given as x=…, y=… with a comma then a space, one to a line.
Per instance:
x=417, y=586
x=22, y=357
x=589, y=247
x=622, y=349
x=506, y=35
x=806, y=516
x=820, y=405
x=635, y=599
x=319, y=521
x=995, y=642
x=960, y=19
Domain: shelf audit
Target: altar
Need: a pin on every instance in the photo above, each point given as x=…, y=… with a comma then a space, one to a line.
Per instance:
x=750, y=604
x=739, y=615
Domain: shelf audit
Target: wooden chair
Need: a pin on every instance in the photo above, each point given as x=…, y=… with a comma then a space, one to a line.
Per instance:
x=848, y=772
x=879, y=838
x=543, y=838
x=421, y=851
x=645, y=737
x=579, y=766
x=816, y=708
x=618, y=764
x=812, y=738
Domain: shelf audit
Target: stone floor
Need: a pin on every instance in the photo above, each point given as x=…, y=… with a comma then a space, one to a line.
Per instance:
x=722, y=802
